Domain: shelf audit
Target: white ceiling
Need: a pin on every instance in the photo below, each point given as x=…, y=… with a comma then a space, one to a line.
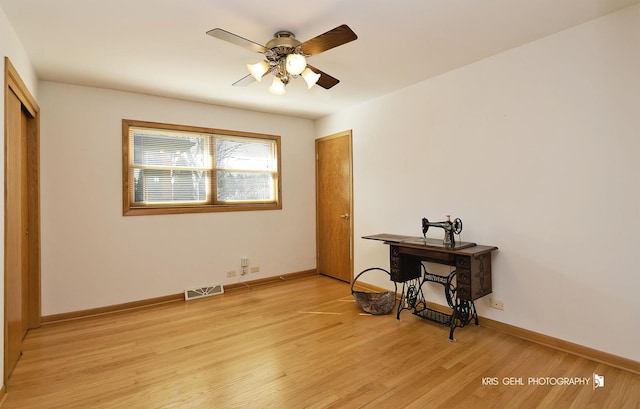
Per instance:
x=159, y=47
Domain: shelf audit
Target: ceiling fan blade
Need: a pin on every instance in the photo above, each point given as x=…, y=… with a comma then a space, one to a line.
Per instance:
x=237, y=40
x=326, y=81
x=332, y=38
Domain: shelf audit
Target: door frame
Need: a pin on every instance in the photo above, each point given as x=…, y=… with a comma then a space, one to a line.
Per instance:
x=349, y=135
x=14, y=84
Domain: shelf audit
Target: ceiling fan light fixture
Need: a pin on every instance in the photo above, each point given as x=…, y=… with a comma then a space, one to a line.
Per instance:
x=296, y=63
x=310, y=77
x=277, y=87
x=258, y=69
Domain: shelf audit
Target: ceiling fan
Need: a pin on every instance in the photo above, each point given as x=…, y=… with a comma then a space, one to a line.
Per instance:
x=286, y=57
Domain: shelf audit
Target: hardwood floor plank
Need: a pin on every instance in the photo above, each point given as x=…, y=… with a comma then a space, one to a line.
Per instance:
x=298, y=343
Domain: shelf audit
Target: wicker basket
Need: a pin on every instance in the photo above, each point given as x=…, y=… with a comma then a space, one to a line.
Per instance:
x=372, y=302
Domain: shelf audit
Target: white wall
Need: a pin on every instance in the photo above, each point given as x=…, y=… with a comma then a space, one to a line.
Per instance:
x=10, y=46
x=92, y=256
x=536, y=149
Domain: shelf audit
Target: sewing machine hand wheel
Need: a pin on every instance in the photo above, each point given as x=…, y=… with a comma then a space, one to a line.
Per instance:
x=457, y=226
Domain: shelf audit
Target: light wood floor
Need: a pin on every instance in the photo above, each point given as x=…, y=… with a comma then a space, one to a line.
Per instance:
x=298, y=343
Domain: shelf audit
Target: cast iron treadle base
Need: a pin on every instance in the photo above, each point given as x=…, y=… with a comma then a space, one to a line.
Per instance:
x=434, y=315
x=412, y=298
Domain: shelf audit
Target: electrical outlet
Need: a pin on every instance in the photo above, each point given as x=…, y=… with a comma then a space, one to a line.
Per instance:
x=255, y=269
x=497, y=304
x=231, y=273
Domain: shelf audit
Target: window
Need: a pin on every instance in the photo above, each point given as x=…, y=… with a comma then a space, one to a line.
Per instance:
x=182, y=169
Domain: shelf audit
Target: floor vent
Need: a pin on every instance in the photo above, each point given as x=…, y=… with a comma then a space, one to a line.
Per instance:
x=193, y=293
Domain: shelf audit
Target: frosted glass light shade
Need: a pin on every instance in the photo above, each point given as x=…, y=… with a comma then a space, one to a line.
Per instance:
x=296, y=63
x=310, y=77
x=258, y=69
x=277, y=87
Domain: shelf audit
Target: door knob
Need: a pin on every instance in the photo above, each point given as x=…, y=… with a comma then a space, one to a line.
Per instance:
x=345, y=216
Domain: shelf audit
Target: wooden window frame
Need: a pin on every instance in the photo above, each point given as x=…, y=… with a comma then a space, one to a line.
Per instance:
x=130, y=208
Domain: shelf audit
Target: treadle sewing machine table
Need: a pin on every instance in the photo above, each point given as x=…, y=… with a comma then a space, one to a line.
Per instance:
x=472, y=276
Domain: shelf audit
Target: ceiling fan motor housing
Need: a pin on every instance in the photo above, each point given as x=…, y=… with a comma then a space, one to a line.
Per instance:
x=283, y=39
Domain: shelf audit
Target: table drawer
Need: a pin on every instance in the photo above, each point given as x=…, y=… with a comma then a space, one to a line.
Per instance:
x=463, y=261
x=463, y=276
x=464, y=292
x=403, y=267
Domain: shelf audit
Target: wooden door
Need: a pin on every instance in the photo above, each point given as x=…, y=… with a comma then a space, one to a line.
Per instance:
x=22, y=216
x=16, y=219
x=334, y=206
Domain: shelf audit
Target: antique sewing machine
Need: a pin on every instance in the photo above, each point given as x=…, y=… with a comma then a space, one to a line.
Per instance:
x=468, y=279
x=451, y=228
